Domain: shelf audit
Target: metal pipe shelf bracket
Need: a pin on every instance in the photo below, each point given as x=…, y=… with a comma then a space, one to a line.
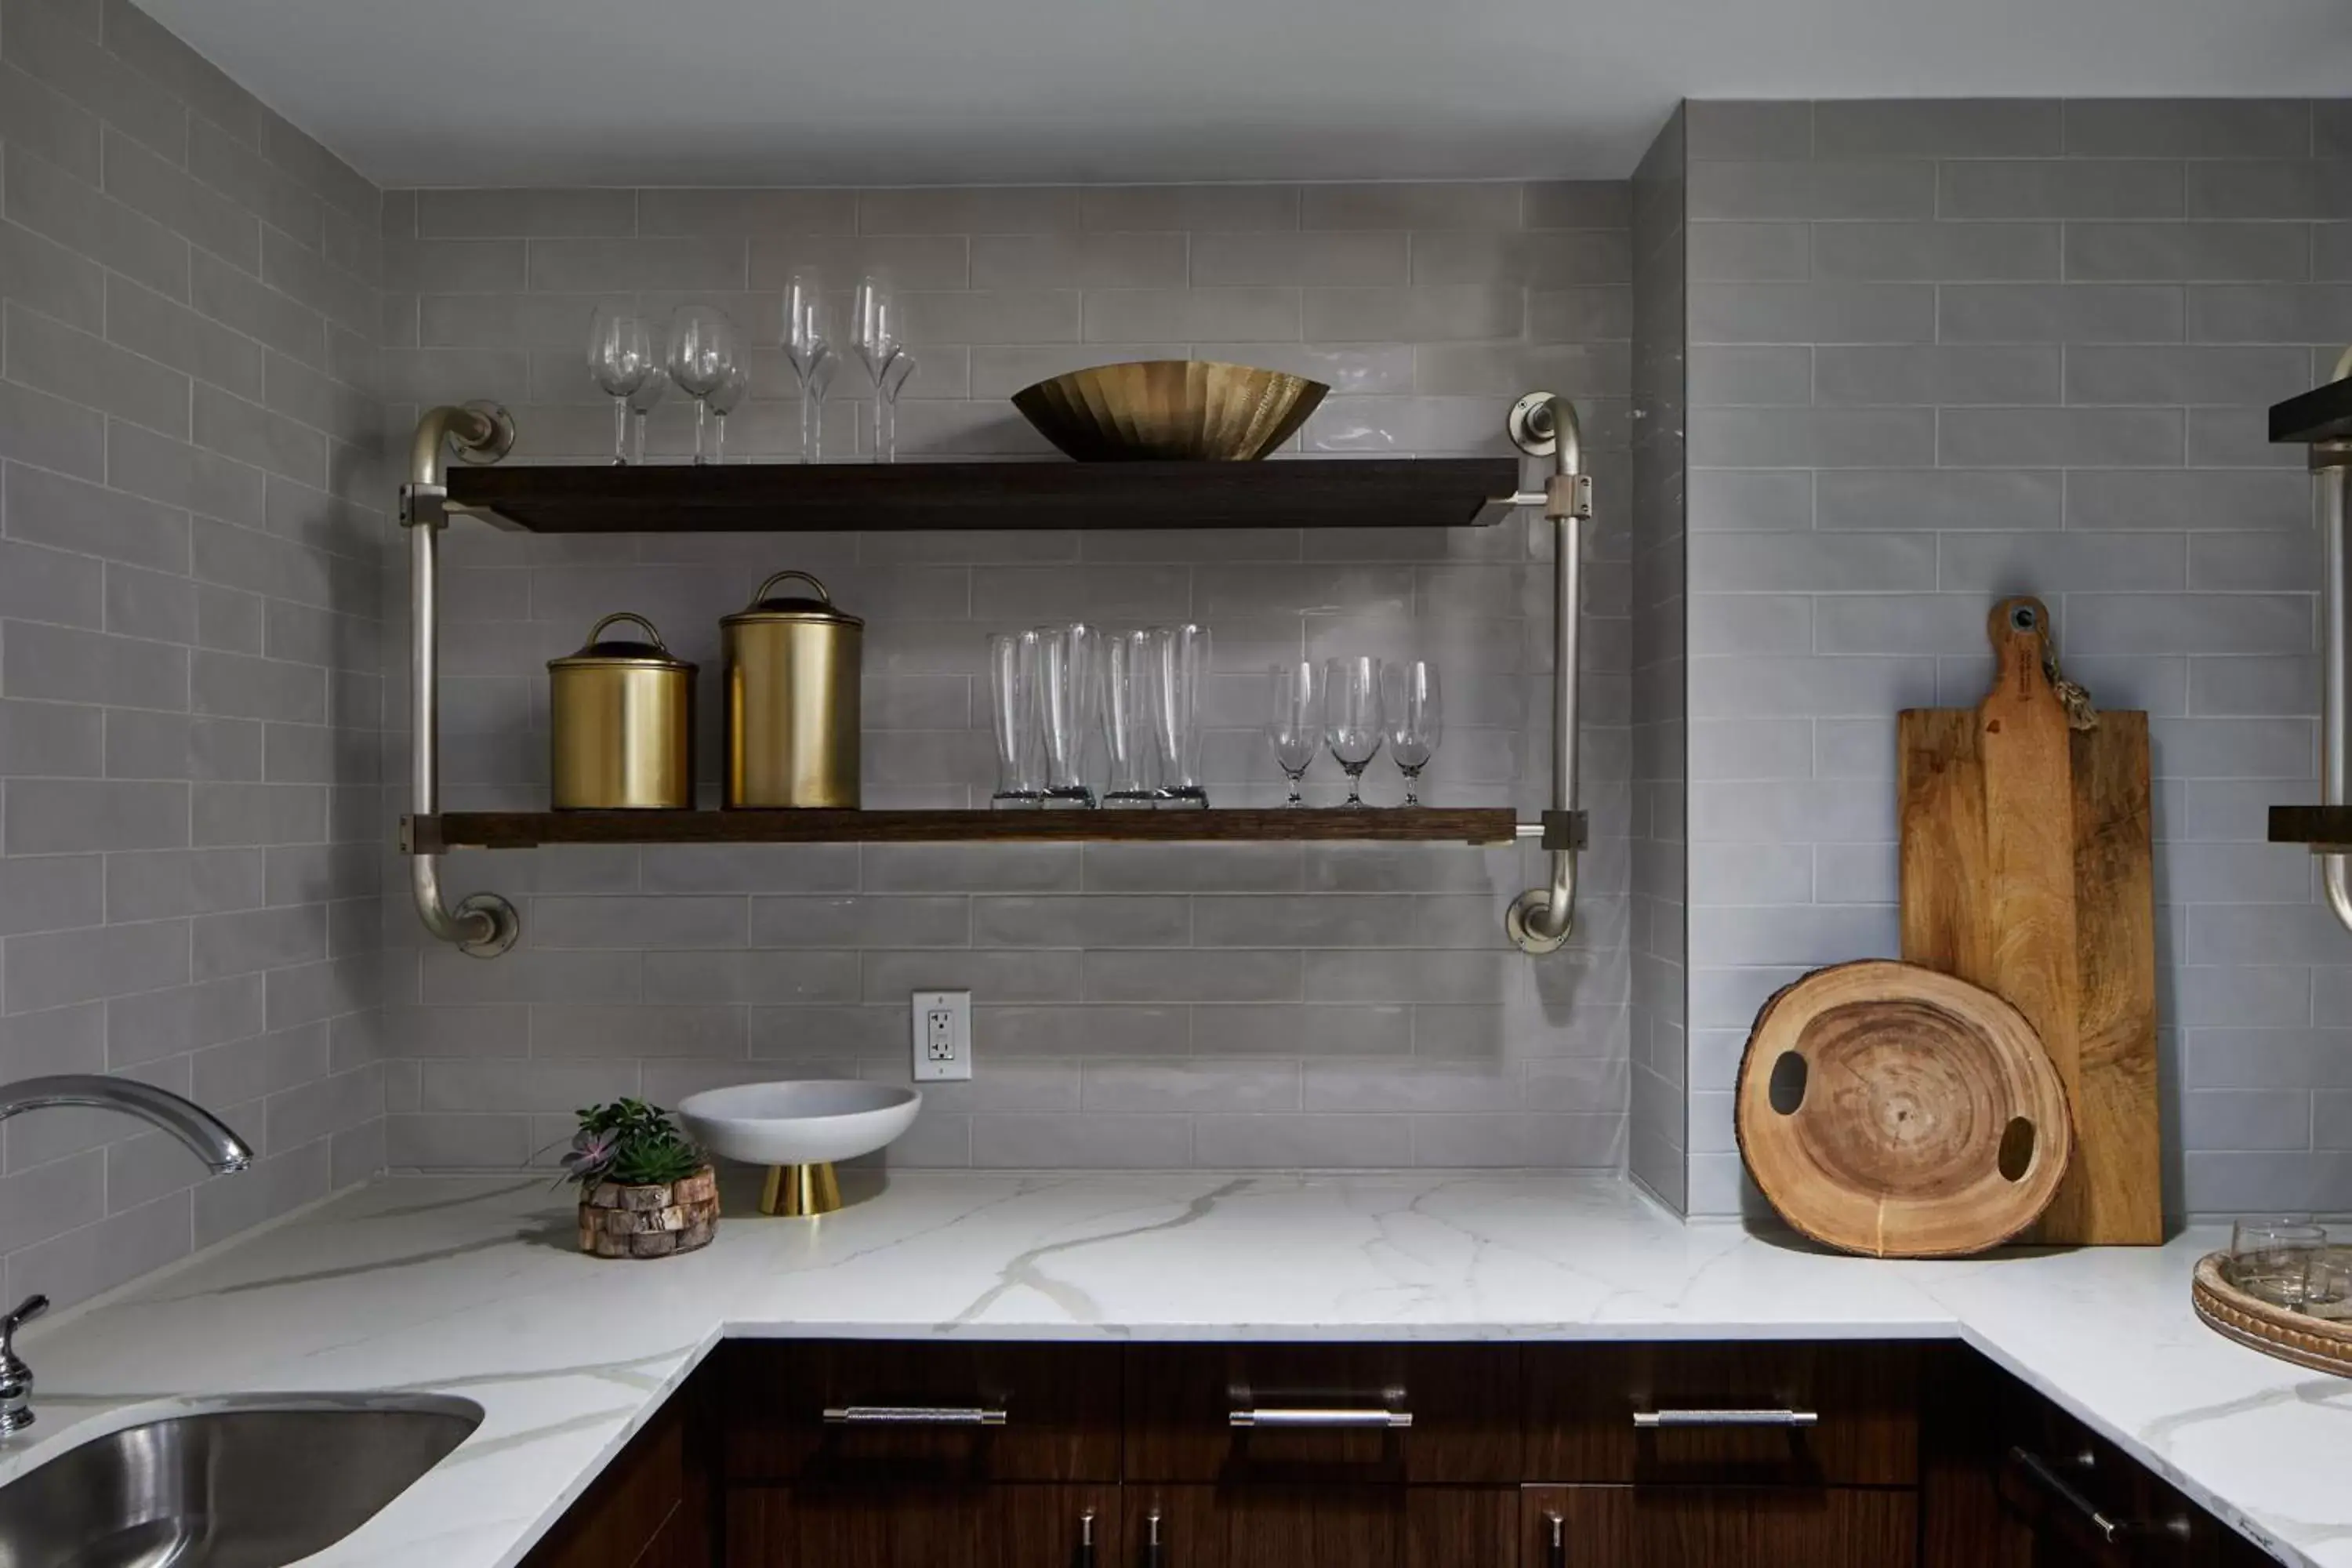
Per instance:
x=1543, y=425
x=484, y=925
x=2331, y=474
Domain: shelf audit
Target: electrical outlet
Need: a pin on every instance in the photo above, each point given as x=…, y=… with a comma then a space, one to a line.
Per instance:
x=942, y=1027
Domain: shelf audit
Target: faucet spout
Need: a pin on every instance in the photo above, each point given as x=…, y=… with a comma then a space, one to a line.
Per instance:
x=206, y=1135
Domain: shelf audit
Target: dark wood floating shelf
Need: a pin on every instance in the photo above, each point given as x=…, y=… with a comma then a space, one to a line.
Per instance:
x=1352, y=492
x=529, y=829
x=2324, y=414
x=2321, y=826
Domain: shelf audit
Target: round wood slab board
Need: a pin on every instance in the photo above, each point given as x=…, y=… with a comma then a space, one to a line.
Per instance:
x=1896, y=1112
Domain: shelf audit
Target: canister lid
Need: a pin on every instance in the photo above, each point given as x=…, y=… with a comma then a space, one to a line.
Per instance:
x=765, y=607
x=600, y=649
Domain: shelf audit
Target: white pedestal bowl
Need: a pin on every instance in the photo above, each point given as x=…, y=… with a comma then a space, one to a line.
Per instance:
x=798, y=1129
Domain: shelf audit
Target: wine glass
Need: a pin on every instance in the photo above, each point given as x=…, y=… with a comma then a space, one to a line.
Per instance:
x=702, y=350
x=1293, y=725
x=876, y=326
x=809, y=350
x=1351, y=717
x=729, y=393
x=621, y=358
x=642, y=403
x=1415, y=718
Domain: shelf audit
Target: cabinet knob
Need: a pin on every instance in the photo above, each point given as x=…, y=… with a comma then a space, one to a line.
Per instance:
x=1086, y=1539
x=1154, y=1554
x=1555, y=1539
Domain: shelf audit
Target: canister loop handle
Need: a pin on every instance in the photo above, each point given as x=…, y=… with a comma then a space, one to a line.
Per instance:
x=761, y=591
x=652, y=631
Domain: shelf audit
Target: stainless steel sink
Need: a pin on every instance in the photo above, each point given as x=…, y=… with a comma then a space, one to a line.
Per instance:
x=253, y=1483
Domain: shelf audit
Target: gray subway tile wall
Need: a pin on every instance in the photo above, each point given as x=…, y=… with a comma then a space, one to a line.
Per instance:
x=1249, y=1006
x=193, y=512
x=1944, y=352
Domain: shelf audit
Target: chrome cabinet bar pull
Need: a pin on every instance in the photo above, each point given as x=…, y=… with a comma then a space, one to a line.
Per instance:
x=1154, y=1554
x=1370, y=1417
x=1556, y=1543
x=1086, y=1539
x=1654, y=1420
x=2045, y=1475
x=912, y=1416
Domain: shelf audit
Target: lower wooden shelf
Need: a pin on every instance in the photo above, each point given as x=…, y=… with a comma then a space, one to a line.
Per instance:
x=529, y=829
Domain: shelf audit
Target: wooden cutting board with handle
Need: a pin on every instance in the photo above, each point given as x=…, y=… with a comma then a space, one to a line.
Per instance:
x=2027, y=869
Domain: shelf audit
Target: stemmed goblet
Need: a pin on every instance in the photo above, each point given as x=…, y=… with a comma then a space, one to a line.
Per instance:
x=1351, y=717
x=1293, y=724
x=1416, y=719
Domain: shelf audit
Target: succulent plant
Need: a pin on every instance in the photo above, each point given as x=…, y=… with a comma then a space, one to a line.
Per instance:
x=630, y=1142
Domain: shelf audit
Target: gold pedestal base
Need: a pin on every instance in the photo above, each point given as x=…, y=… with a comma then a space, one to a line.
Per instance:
x=799, y=1189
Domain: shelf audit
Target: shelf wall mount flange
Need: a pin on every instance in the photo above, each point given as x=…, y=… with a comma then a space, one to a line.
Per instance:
x=1543, y=425
x=482, y=925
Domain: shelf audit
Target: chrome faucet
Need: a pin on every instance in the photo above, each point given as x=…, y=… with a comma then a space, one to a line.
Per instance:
x=207, y=1136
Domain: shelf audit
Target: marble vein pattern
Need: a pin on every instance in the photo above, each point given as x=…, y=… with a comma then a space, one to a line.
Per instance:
x=470, y=1287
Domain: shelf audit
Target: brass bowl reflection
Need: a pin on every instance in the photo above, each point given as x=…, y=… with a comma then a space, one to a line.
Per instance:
x=1169, y=409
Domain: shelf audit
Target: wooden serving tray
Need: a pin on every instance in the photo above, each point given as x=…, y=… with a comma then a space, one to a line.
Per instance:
x=2323, y=1344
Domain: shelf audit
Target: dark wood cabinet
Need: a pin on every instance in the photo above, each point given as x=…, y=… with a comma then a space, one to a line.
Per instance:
x=821, y=1524
x=974, y=1455
x=1330, y=1413
x=1717, y=1526
x=1272, y=1525
x=876, y=1411
x=1802, y=1413
x=651, y=1507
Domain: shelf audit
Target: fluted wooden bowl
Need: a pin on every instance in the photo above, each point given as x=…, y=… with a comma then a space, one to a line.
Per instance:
x=1179, y=409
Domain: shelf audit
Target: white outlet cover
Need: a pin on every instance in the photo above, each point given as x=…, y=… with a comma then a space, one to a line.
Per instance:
x=956, y=1063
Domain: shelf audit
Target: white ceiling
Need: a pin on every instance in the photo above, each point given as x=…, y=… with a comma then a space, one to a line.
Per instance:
x=475, y=92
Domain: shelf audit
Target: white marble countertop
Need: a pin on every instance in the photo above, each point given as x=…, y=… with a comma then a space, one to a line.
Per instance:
x=470, y=1287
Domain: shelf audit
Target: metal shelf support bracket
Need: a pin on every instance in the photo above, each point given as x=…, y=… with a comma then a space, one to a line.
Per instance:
x=1543, y=425
x=483, y=925
x=2331, y=475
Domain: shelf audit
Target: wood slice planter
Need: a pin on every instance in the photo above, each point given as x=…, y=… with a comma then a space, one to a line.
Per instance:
x=1891, y=1110
x=618, y=1221
x=2323, y=1344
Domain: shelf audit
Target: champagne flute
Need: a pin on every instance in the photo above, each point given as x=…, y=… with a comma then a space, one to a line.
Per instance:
x=1293, y=725
x=621, y=358
x=876, y=326
x=1415, y=718
x=1351, y=717
x=729, y=393
x=808, y=351
x=701, y=353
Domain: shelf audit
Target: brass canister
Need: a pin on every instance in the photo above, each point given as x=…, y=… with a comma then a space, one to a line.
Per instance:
x=792, y=670
x=621, y=724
